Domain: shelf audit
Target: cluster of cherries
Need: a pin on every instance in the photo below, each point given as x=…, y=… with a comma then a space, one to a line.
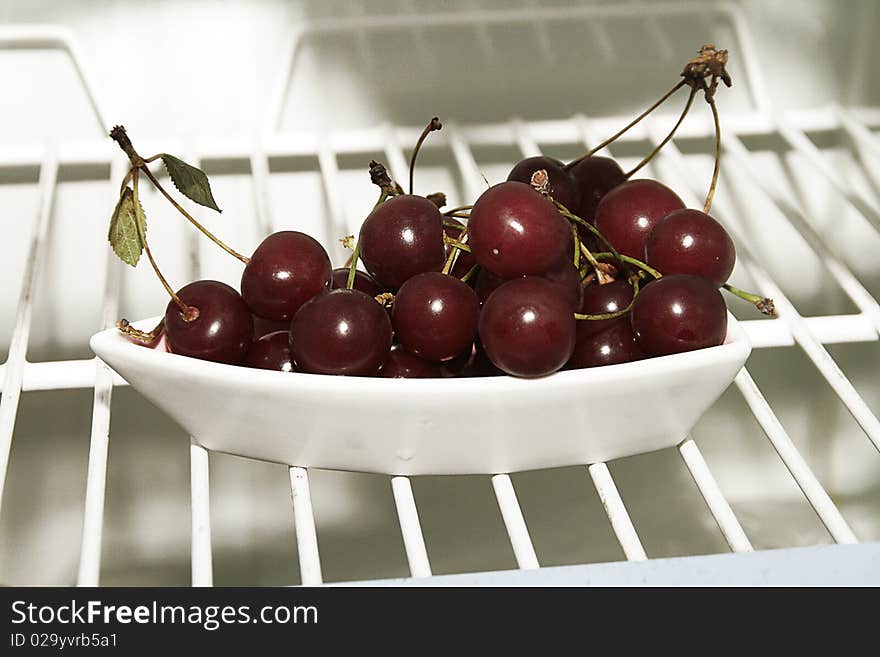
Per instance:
x=561, y=266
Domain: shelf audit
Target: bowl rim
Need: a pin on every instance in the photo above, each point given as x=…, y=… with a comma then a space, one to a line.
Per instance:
x=112, y=344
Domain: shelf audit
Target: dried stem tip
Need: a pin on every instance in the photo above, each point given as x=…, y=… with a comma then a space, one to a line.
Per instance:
x=437, y=198
x=541, y=182
x=710, y=63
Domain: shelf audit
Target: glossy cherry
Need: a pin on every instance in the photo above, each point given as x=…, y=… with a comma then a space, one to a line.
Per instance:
x=403, y=365
x=514, y=231
x=362, y=281
x=613, y=343
x=679, y=313
x=286, y=270
x=594, y=177
x=527, y=327
x=341, y=332
x=691, y=242
x=561, y=186
x=602, y=299
x=402, y=237
x=435, y=316
x=270, y=352
x=628, y=213
x=223, y=330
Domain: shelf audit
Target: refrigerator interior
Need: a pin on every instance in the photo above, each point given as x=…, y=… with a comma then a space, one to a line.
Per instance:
x=283, y=105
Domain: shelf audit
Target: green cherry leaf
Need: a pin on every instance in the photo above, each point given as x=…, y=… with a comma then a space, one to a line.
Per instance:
x=190, y=181
x=123, y=235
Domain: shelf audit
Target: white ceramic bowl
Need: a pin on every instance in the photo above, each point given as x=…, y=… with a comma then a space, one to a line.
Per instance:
x=431, y=426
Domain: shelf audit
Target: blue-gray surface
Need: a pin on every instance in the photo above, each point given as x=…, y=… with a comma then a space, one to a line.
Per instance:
x=831, y=565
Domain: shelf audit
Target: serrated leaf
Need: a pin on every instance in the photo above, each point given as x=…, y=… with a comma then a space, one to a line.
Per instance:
x=123, y=235
x=190, y=181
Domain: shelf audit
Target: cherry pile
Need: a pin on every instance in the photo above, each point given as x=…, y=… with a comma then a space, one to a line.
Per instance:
x=570, y=266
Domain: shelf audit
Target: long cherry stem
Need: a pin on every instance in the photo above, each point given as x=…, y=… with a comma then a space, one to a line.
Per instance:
x=189, y=313
x=708, y=204
x=431, y=127
x=192, y=220
x=457, y=209
x=457, y=246
x=607, y=255
x=632, y=123
x=650, y=156
x=144, y=337
x=586, y=224
x=616, y=313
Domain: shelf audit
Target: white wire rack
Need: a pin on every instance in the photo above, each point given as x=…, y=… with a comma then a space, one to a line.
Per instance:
x=810, y=334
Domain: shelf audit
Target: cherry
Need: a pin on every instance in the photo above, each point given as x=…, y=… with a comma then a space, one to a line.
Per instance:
x=341, y=332
x=400, y=238
x=435, y=316
x=264, y=326
x=403, y=365
x=514, y=231
x=679, y=313
x=362, y=281
x=613, y=343
x=465, y=260
x=626, y=214
x=561, y=185
x=691, y=242
x=222, y=331
x=527, y=327
x=594, y=177
x=599, y=300
x=270, y=352
x=457, y=366
x=568, y=278
x=479, y=364
x=286, y=270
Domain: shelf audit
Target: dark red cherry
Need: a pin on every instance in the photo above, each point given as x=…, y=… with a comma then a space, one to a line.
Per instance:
x=455, y=366
x=341, y=332
x=679, y=313
x=286, y=270
x=628, y=213
x=514, y=231
x=403, y=365
x=691, y=242
x=561, y=185
x=479, y=365
x=567, y=277
x=270, y=352
x=613, y=343
x=527, y=327
x=362, y=281
x=594, y=177
x=263, y=326
x=401, y=238
x=602, y=299
x=435, y=316
x=465, y=260
x=223, y=330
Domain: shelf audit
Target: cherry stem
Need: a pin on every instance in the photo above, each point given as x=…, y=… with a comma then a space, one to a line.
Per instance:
x=470, y=273
x=458, y=215
x=764, y=304
x=192, y=220
x=708, y=204
x=586, y=224
x=352, y=262
x=119, y=135
x=431, y=127
x=460, y=208
x=617, y=313
x=650, y=156
x=606, y=255
x=577, y=246
x=189, y=313
x=632, y=123
x=144, y=337
x=457, y=246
